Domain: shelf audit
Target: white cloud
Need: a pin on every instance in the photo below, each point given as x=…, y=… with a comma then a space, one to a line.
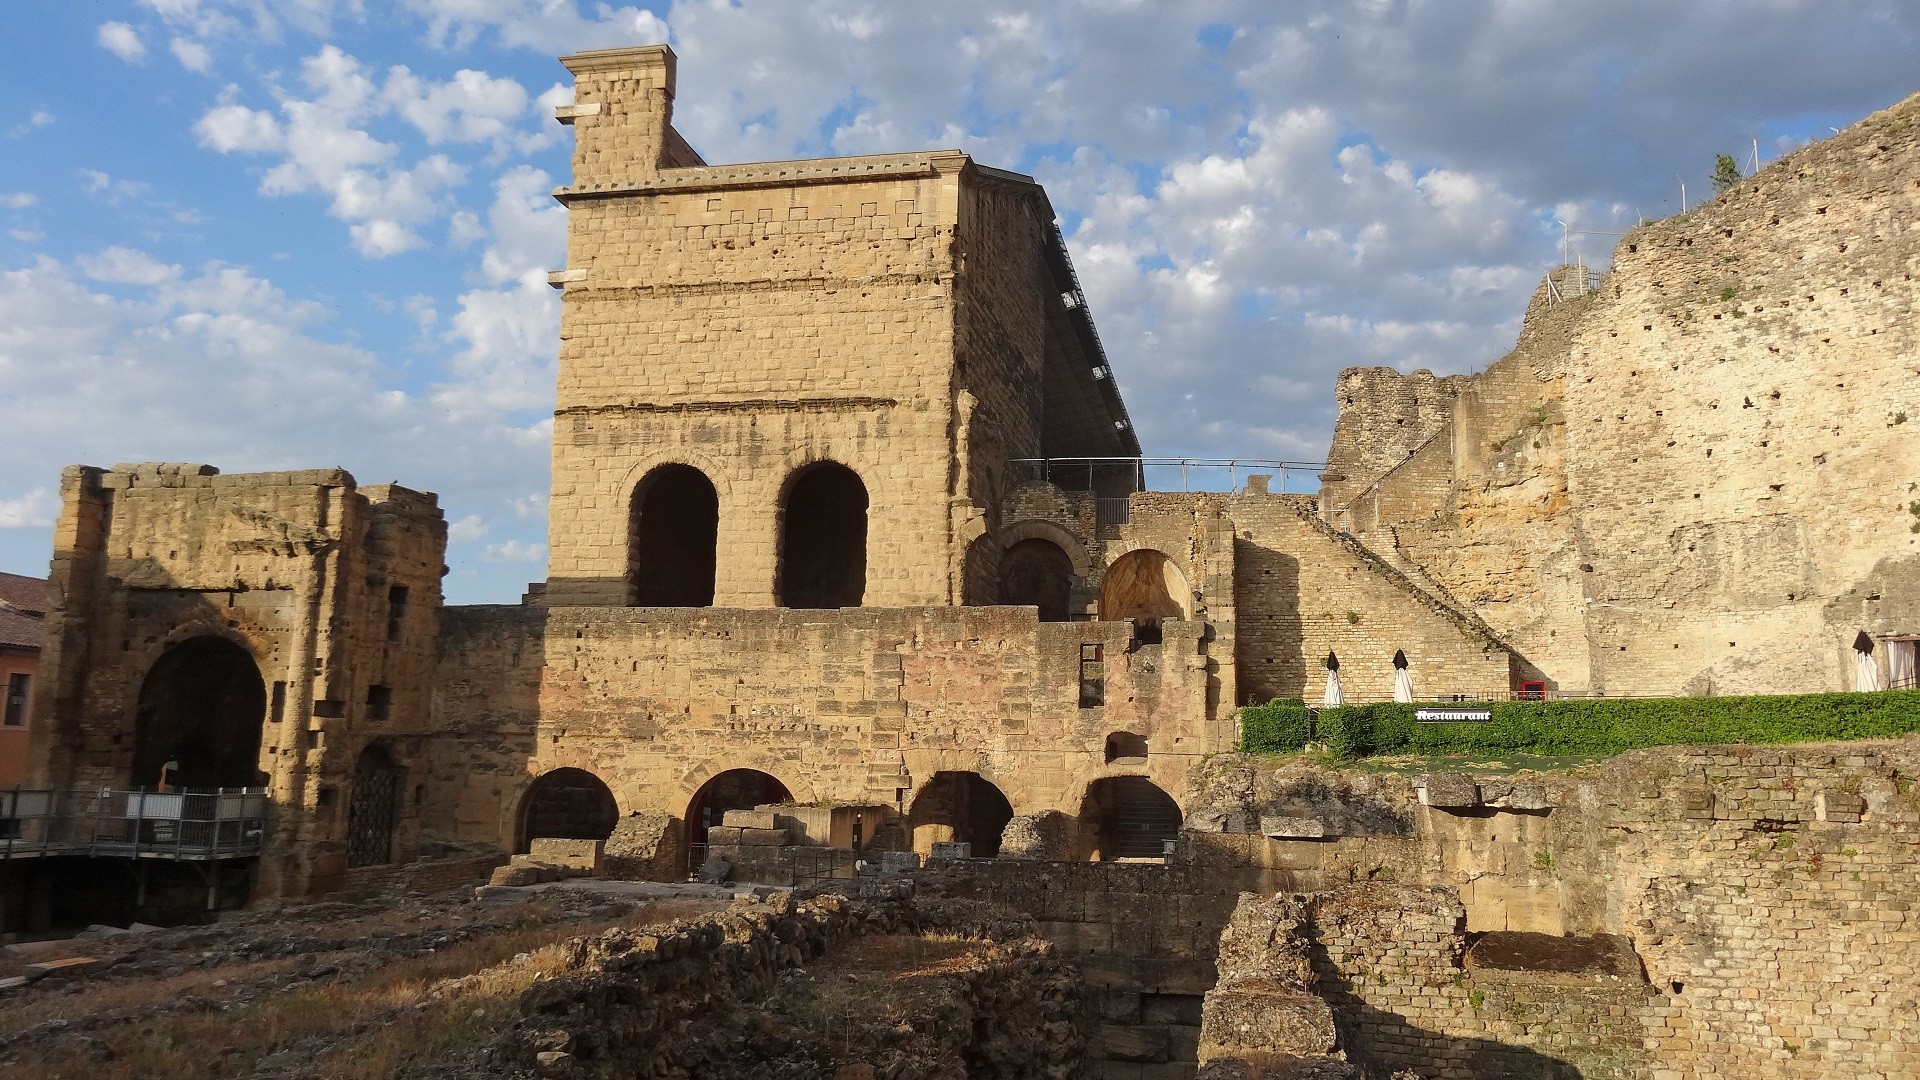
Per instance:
x=192, y=55
x=467, y=529
x=464, y=229
x=27, y=236
x=36, y=509
x=18, y=200
x=231, y=128
x=550, y=26
x=119, y=39
x=514, y=551
x=39, y=118
x=380, y=238
x=470, y=107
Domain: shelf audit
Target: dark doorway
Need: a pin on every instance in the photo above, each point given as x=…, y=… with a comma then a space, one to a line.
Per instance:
x=568, y=804
x=1126, y=746
x=963, y=807
x=202, y=706
x=673, y=528
x=735, y=789
x=375, y=809
x=1037, y=572
x=1128, y=817
x=823, y=539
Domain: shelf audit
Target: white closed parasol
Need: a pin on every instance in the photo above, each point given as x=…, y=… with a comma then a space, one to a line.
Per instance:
x=1866, y=673
x=1333, y=698
x=1402, y=678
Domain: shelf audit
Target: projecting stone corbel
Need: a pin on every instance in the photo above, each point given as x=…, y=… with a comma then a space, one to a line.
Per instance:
x=559, y=278
x=567, y=114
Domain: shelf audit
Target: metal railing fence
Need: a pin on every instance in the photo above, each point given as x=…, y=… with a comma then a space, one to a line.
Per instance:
x=177, y=825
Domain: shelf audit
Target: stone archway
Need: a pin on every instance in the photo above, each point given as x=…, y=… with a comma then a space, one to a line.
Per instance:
x=733, y=789
x=672, y=539
x=202, y=707
x=963, y=807
x=567, y=804
x=823, y=538
x=1037, y=572
x=1147, y=587
x=1127, y=817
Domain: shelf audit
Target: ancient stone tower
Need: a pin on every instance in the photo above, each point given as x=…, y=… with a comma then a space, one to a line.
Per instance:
x=798, y=383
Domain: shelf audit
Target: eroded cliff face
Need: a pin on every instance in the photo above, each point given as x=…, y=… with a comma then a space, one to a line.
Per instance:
x=1701, y=478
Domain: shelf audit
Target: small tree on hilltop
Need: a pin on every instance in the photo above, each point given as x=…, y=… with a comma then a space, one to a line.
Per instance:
x=1726, y=173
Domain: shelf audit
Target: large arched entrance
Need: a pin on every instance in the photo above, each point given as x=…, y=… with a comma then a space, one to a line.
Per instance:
x=735, y=789
x=961, y=807
x=673, y=528
x=374, y=814
x=568, y=804
x=1128, y=817
x=1146, y=586
x=823, y=538
x=201, y=708
x=1037, y=572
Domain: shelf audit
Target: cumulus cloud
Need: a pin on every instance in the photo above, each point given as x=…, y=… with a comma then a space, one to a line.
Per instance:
x=36, y=509
x=551, y=26
x=192, y=55
x=119, y=39
x=18, y=200
x=514, y=551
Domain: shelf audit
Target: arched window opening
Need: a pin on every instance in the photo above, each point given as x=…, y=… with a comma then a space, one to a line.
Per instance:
x=1126, y=746
x=1146, y=587
x=199, y=718
x=568, y=804
x=734, y=789
x=1037, y=572
x=673, y=530
x=1128, y=817
x=960, y=807
x=374, y=813
x=823, y=539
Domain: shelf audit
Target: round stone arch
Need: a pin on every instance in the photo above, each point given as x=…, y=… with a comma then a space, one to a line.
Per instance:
x=784, y=769
x=514, y=799
x=676, y=456
x=1148, y=586
x=1058, y=535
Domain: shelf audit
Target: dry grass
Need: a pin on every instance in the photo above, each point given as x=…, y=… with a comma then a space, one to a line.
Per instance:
x=379, y=1018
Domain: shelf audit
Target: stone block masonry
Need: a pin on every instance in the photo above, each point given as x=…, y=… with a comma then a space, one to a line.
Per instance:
x=1696, y=480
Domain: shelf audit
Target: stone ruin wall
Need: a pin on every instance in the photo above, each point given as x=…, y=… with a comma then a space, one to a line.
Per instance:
x=295, y=569
x=1697, y=480
x=856, y=706
x=1768, y=893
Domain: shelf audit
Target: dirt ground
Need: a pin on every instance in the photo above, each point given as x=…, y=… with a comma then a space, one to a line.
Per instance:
x=338, y=990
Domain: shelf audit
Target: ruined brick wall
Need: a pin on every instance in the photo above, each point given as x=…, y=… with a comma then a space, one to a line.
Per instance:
x=1301, y=593
x=859, y=707
x=1384, y=418
x=1697, y=480
x=295, y=569
x=1766, y=890
x=1740, y=426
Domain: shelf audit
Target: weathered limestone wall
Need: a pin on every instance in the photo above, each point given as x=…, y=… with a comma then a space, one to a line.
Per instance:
x=293, y=568
x=861, y=707
x=1767, y=891
x=1738, y=441
x=1697, y=480
x=1303, y=591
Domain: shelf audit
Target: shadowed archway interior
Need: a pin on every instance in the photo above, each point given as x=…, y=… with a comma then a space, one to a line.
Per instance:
x=1037, y=572
x=823, y=539
x=568, y=804
x=963, y=807
x=673, y=532
x=203, y=705
x=734, y=789
x=1128, y=817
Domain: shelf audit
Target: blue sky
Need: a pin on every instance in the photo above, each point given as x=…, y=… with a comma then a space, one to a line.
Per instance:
x=293, y=233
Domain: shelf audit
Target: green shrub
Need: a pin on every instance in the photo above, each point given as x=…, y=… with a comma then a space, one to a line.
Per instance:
x=1278, y=727
x=1614, y=725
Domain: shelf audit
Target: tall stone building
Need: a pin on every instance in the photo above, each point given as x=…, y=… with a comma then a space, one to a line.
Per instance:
x=1698, y=475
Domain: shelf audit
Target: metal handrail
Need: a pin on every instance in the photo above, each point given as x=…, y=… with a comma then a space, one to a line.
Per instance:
x=1070, y=467
x=187, y=825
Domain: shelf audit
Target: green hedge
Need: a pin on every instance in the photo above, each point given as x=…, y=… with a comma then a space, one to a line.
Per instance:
x=1278, y=727
x=1601, y=725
